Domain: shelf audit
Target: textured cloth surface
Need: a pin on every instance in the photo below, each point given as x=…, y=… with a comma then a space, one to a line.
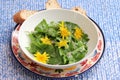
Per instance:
x=105, y=12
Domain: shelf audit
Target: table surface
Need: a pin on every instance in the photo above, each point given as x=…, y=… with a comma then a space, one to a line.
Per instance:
x=104, y=12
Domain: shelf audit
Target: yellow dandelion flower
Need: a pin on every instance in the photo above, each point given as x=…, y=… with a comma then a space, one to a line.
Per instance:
x=62, y=43
x=46, y=40
x=78, y=33
x=63, y=30
x=41, y=57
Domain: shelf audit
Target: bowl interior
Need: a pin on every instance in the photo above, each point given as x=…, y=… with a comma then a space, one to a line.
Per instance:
x=57, y=15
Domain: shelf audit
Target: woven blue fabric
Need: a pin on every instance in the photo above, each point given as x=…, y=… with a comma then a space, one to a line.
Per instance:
x=105, y=12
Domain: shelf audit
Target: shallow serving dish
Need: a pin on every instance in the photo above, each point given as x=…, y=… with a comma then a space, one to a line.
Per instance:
x=58, y=15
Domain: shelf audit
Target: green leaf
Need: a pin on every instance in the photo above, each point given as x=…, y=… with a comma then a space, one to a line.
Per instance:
x=65, y=59
x=79, y=56
x=63, y=54
x=55, y=57
x=85, y=38
x=70, y=58
x=42, y=26
x=71, y=26
x=52, y=32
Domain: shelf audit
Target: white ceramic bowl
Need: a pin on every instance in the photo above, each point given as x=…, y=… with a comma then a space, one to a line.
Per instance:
x=58, y=15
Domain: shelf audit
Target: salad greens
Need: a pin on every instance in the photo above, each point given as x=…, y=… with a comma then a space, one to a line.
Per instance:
x=58, y=43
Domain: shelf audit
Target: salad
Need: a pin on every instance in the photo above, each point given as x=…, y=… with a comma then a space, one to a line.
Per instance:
x=58, y=43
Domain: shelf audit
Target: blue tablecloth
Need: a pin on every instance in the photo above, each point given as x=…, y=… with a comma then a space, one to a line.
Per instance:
x=105, y=12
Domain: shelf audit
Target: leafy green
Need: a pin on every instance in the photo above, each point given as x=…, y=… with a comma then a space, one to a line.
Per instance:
x=75, y=51
x=42, y=26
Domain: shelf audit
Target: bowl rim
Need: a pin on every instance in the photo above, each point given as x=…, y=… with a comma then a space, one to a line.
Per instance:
x=58, y=66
